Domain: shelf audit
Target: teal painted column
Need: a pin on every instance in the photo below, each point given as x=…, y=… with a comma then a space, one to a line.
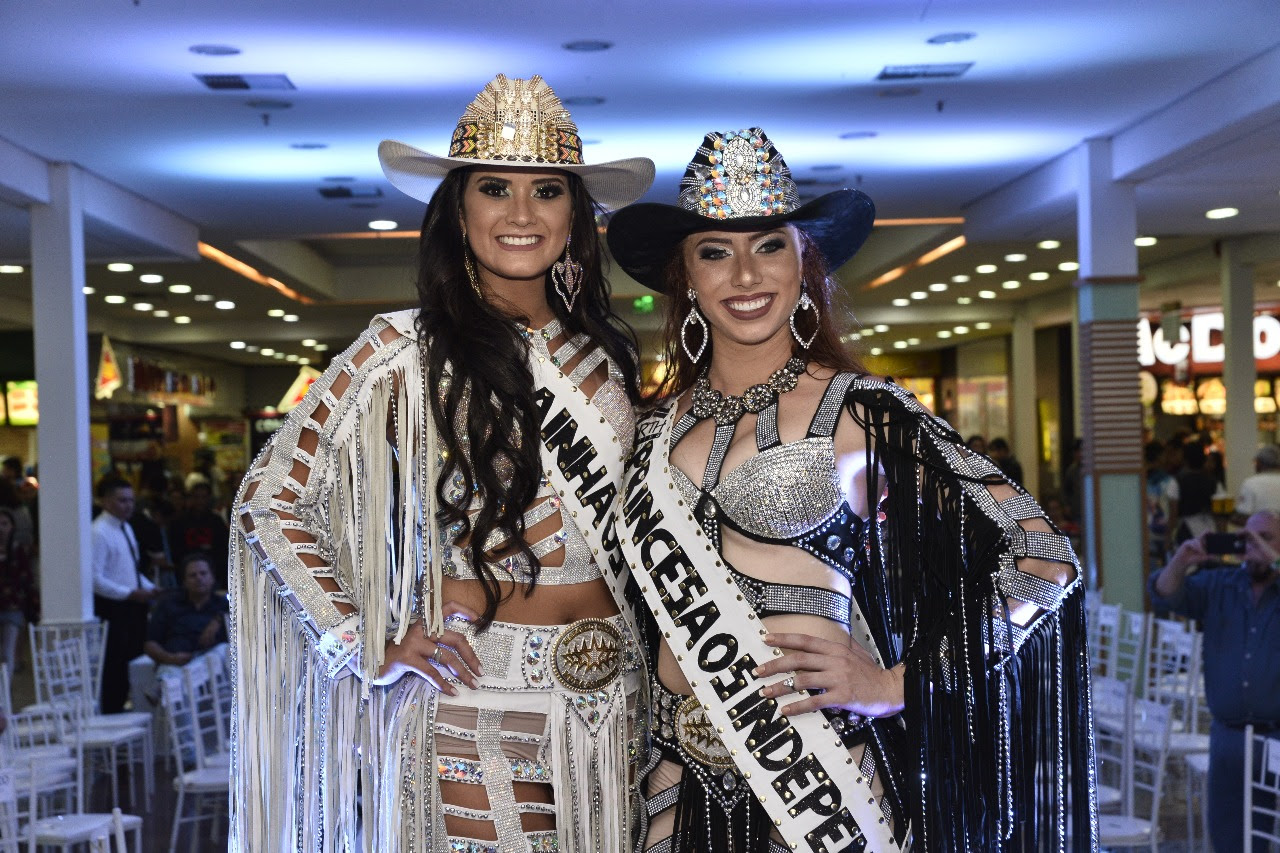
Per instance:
x=1110, y=406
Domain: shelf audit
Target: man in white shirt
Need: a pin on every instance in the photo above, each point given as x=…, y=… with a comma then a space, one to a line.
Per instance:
x=121, y=593
x=1262, y=490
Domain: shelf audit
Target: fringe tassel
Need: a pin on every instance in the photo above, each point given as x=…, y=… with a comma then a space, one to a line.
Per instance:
x=593, y=775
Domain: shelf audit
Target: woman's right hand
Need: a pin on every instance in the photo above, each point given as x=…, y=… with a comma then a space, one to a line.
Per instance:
x=418, y=654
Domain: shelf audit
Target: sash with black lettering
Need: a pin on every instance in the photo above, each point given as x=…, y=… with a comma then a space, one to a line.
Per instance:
x=583, y=460
x=796, y=766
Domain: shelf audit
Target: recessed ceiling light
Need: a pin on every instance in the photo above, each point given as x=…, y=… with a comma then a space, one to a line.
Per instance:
x=1221, y=213
x=1011, y=285
x=179, y=288
x=961, y=330
x=237, y=344
x=960, y=279
x=1049, y=244
x=308, y=342
x=880, y=327
x=203, y=297
x=251, y=348
x=150, y=278
x=1068, y=266
x=899, y=344
x=877, y=351
x=986, y=294
x=944, y=333
x=308, y=146
x=278, y=355
x=275, y=312
x=290, y=318
x=901, y=303
x=214, y=49
x=10, y=269
x=938, y=286
x=182, y=319
x=115, y=299
x=321, y=347
x=290, y=357
x=143, y=306
x=304, y=360
x=1015, y=257
x=859, y=134
x=950, y=38
x=268, y=351
x=160, y=312
x=583, y=101
x=587, y=45
x=983, y=326
x=919, y=294
x=224, y=305
x=986, y=269
x=963, y=300
x=913, y=341
x=383, y=225
x=1038, y=276
x=120, y=266
x=870, y=332
x=88, y=291
x=1144, y=241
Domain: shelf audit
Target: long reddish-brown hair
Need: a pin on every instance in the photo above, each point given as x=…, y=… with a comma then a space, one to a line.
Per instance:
x=827, y=349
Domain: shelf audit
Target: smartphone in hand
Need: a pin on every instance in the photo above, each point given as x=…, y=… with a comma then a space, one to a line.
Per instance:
x=1223, y=544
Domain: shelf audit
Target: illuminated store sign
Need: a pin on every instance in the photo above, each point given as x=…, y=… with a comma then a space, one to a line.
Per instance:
x=1201, y=343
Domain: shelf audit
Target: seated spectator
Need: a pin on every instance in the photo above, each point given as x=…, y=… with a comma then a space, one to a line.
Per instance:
x=199, y=528
x=1260, y=491
x=1005, y=460
x=189, y=622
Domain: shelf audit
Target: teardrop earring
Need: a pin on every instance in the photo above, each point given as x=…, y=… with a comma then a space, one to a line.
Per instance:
x=805, y=303
x=694, y=318
x=566, y=275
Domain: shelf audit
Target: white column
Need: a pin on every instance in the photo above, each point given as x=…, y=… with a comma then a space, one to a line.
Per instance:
x=62, y=372
x=1111, y=411
x=1022, y=398
x=1240, y=430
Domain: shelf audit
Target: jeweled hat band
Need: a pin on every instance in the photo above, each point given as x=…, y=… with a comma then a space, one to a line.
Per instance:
x=517, y=120
x=738, y=174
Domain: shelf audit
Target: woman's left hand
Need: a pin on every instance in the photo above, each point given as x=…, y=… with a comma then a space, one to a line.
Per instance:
x=843, y=675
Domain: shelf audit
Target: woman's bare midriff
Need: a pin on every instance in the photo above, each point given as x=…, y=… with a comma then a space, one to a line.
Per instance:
x=545, y=605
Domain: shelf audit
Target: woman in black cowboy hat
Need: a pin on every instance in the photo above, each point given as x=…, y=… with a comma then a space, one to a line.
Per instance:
x=860, y=633
x=428, y=644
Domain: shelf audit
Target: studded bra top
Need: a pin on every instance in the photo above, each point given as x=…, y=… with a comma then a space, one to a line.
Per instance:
x=578, y=565
x=787, y=494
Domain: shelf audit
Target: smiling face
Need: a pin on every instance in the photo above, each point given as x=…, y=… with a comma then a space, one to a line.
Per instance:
x=747, y=284
x=517, y=222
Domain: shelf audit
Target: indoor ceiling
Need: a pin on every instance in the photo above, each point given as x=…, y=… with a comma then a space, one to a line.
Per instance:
x=113, y=86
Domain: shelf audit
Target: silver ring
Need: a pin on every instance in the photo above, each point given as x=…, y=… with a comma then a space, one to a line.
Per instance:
x=435, y=656
x=789, y=682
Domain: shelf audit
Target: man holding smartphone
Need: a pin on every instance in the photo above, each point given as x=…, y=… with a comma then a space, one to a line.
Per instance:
x=1238, y=607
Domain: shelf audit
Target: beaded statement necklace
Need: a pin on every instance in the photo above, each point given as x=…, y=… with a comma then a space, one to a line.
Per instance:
x=728, y=409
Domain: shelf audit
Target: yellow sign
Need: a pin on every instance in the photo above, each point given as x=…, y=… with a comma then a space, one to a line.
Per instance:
x=24, y=403
x=298, y=389
x=109, y=378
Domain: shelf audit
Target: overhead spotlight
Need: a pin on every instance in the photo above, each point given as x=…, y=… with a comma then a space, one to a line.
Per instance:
x=961, y=330
x=115, y=299
x=237, y=344
x=143, y=306
x=960, y=279
x=1011, y=285
x=308, y=342
x=304, y=360
x=290, y=357
x=88, y=291
x=919, y=294
x=899, y=344
x=182, y=319
x=944, y=333
x=1143, y=242
x=913, y=342
x=203, y=297
x=224, y=305
x=901, y=303
x=1068, y=266
x=1221, y=213
x=986, y=268
x=321, y=347
x=963, y=300
x=1016, y=257
x=162, y=313
x=877, y=351
x=275, y=312
x=120, y=266
x=1049, y=244
x=383, y=225
x=881, y=328
x=250, y=348
x=267, y=351
x=986, y=294
x=1038, y=276
x=869, y=332
x=290, y=318
x=938, y=286
x=10, y=269
x=179, y=288
x=150, y=278
x=983, y=326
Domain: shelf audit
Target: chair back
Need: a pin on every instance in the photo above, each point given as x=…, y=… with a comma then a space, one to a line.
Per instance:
x=206, y=711
x=1113, y=735
x=175, y=700
x=1128, y=663
x=8, y=810
x=1173, y=672
x=1102, y=630
x=1152, y=724
x=67, y=664
x=1261, y=791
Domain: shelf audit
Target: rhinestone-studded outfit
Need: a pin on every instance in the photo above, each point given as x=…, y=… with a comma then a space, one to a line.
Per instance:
x=930, y=573
x=556, y=706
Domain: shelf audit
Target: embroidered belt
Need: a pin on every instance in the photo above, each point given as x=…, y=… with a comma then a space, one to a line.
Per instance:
x=584, y=656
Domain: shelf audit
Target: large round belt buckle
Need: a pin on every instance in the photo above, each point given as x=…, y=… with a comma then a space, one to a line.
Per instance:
x=587, y=655
x=695, y=733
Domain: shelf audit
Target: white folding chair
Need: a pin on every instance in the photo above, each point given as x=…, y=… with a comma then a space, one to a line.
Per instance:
x=1102, y=631
x=1136, y=826
x=1261, y=792
x=1197, y=767
x=1113, y=741
x=208, y=785
x=1129, y=661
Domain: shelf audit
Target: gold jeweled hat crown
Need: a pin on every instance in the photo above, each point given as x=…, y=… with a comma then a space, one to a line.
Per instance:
x=515, y=122
x=735, y=174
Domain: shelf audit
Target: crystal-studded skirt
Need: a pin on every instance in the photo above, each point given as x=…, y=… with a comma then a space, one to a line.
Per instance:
x=551, y=736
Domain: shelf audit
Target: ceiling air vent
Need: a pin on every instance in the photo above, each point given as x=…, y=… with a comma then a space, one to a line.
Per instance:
x=349, y=191
x=243, y=82
x=934, y=71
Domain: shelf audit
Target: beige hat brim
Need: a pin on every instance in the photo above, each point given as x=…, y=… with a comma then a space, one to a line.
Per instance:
x=417, y=173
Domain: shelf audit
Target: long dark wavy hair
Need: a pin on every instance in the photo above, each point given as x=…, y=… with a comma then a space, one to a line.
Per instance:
x=487, y=419
x=827, y=349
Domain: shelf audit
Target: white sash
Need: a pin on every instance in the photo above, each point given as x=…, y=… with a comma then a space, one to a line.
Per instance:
x=796, y=766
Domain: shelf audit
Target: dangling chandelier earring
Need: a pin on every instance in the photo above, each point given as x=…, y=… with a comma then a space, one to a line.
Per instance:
x=468, y=263
x=566, y=275
x=694, y=318
x=805, y=303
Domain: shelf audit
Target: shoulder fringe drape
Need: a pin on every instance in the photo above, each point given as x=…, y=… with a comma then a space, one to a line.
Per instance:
x=311, y=764
x=998, y=716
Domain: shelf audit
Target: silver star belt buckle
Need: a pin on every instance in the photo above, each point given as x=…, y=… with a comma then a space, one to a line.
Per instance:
x=587, y=655
x=697, y=737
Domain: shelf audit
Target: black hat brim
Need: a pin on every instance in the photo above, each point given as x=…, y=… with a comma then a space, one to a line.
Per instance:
x=643, y=236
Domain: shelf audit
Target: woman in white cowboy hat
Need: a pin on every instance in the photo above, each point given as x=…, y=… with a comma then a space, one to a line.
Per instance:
x=861, y=636
x=428, y=645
